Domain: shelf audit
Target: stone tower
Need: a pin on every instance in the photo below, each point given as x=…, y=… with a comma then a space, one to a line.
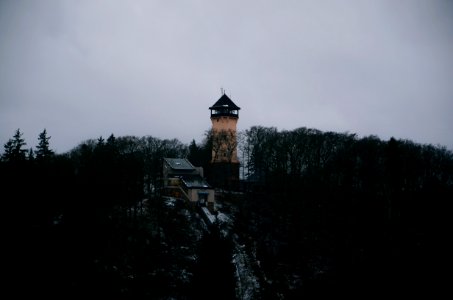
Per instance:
x=224, y=161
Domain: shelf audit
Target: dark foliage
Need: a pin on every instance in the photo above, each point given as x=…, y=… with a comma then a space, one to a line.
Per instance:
x=329, y=212
x=322, y=212
x=85, y=222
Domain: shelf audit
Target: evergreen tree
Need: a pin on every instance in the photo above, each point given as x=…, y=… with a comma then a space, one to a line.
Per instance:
x=194, y=153
x=9, y=150
x=111, y=140
x=43, y=151
x=14, y=148
x=100, y=141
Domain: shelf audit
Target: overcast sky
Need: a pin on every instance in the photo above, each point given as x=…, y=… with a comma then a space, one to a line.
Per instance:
x=84, y=69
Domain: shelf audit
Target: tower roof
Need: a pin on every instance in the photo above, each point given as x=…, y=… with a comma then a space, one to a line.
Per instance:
x=225, y=103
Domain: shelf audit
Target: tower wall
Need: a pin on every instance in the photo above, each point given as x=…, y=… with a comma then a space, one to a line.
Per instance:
x=223, y=146
x=224, y=123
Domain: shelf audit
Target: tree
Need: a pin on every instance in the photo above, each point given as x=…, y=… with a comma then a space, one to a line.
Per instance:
x=9, y=150
x=244, y=153
x=43, y=151
x=31, y=154
x=194, y=155
x=100, y=141
x=111, y=140
x=262, y=141
x=224, y=144
x=14, y=148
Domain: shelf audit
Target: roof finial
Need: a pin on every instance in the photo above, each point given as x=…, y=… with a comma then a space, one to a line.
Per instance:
x=222, y=91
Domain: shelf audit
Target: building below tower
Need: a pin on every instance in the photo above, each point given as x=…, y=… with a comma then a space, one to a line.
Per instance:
x=185, y=181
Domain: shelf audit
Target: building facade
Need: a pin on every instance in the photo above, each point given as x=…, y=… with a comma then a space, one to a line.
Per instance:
x=185, y=181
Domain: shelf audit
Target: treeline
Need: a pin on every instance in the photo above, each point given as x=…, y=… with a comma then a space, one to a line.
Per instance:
x=329, y=211
x=87, y=221
x=97, y=174
x=321, y=211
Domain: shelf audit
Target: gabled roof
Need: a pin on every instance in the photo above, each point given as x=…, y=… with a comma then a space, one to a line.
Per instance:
x=179, y=164
x=225, y=102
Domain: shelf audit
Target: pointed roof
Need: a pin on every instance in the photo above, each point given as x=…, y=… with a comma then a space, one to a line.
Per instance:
x=225, y=102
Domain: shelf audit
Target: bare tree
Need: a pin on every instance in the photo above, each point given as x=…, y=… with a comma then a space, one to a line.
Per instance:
x=224, y=145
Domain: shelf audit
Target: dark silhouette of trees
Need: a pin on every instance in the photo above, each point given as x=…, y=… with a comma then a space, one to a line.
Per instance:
x=42, y=149
x=331, y=209
x=198, y=155
x=321, y=211
x=80, y=216
x=14, y=148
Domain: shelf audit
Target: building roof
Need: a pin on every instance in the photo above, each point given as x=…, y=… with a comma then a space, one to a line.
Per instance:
x=225, y=102
x=195, y=181
x=179, y=164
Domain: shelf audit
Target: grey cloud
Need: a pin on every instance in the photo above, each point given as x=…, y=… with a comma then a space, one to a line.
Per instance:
x=87, y=68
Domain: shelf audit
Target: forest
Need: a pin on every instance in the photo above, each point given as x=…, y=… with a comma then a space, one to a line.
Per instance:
x=316, y=212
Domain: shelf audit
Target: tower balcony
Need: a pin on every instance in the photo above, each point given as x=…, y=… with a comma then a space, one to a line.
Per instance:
x=224, y=113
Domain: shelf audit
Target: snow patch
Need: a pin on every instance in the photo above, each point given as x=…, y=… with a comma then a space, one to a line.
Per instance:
x=170, y=201
x=212, y=218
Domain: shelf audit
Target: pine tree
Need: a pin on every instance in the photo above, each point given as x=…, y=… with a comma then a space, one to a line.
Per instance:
x=14, y=148
x=9, y=150
x=111, y=140
x=100, y=141
x=43, y=151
